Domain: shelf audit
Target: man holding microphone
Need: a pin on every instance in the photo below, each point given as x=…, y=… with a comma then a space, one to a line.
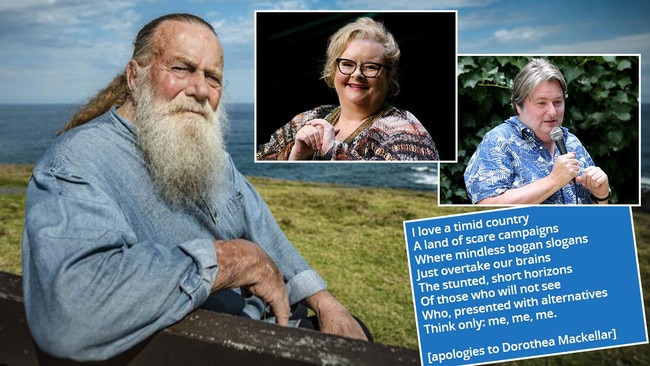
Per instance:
x=517, y=161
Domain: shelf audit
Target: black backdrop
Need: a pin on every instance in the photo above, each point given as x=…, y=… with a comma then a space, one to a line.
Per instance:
x=290, y=52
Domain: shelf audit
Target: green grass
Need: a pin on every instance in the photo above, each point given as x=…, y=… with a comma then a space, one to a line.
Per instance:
x=14, y=175
x=354, y=238
x=12, y=210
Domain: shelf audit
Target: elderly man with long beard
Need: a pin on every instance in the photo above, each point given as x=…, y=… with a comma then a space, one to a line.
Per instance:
x=136, y=214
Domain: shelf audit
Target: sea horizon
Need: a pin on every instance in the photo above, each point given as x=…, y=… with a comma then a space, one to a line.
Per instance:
x=41, y=121
x=424, y=175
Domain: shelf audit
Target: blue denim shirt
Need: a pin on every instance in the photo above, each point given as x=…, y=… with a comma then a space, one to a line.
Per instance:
x=511, y=156
x=107, y=263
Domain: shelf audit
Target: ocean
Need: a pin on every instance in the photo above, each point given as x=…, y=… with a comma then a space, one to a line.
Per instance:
x=645, y=147
x=26, y=131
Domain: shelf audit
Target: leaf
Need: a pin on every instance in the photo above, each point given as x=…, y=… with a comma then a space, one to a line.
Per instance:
x=623, y=116
x=460, y=193
x=624, y=65
x=493, y=71
x=608, y=84
x=601, y=94
x=597, y=117
x=467, y=60
x=471, y=81
x=615, y=137
x=621, y=97
x=573, y=73
x=609, y=58
x=624, y=82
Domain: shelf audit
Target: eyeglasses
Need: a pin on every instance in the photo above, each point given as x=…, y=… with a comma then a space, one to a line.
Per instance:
x=368, y=69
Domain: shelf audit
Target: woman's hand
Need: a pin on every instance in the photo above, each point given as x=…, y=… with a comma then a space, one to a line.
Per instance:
x=327, y=133
x=316, y=135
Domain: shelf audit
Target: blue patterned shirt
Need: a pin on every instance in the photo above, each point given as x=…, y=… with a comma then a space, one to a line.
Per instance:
x=511, y=156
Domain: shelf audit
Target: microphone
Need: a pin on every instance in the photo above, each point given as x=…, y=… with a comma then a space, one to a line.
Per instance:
x=558, y=136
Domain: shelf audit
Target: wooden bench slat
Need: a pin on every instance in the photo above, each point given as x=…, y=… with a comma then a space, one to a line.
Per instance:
x=204, y=337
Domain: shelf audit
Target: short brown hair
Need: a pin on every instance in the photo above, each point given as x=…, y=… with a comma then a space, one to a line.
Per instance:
x=533, y=73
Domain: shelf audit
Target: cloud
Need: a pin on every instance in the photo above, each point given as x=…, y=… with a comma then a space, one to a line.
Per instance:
x=525, y=34
x=13, y=6
x=64, y=50
x=517, y=35
x=236, y=31
x=76, y=46
x=63, y=13
x=284, y=5
x=632, y=43
x=414, y=4
x=122, y=26
x=59, y=24
x=469, y=20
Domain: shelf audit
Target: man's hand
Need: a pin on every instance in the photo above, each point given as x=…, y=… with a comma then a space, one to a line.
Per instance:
x=333, y=317
x=565, y=169
x=595, y=180
x=246, y=265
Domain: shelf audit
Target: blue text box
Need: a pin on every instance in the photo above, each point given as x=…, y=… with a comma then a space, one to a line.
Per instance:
x=525, y=282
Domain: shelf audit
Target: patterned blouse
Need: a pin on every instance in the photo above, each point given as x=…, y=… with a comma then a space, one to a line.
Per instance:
x=511, y=156
x=389, y=134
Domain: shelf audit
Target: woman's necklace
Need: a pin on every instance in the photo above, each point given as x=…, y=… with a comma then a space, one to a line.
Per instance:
x=334, y=116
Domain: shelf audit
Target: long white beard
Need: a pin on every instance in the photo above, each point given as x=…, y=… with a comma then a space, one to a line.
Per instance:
x=185, y=151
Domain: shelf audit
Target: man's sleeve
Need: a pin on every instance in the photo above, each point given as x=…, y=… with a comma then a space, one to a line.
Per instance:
x=262, y=228
x=489, y=171
x=92, y=288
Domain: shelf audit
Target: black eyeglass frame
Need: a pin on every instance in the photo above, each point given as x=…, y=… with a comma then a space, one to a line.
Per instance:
x=360, y=67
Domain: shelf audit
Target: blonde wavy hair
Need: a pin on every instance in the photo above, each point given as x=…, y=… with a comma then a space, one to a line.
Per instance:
x=363, y=28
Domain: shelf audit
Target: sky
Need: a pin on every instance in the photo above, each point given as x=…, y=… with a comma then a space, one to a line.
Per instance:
x=64, y=51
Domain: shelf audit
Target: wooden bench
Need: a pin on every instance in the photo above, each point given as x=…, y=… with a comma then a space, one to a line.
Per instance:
x=204, y=338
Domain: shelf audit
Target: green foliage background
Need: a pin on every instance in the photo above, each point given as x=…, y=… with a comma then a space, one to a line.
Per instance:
x=602, y=110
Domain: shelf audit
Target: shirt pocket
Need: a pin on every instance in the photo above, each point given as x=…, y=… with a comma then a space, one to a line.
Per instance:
x=231, y=220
